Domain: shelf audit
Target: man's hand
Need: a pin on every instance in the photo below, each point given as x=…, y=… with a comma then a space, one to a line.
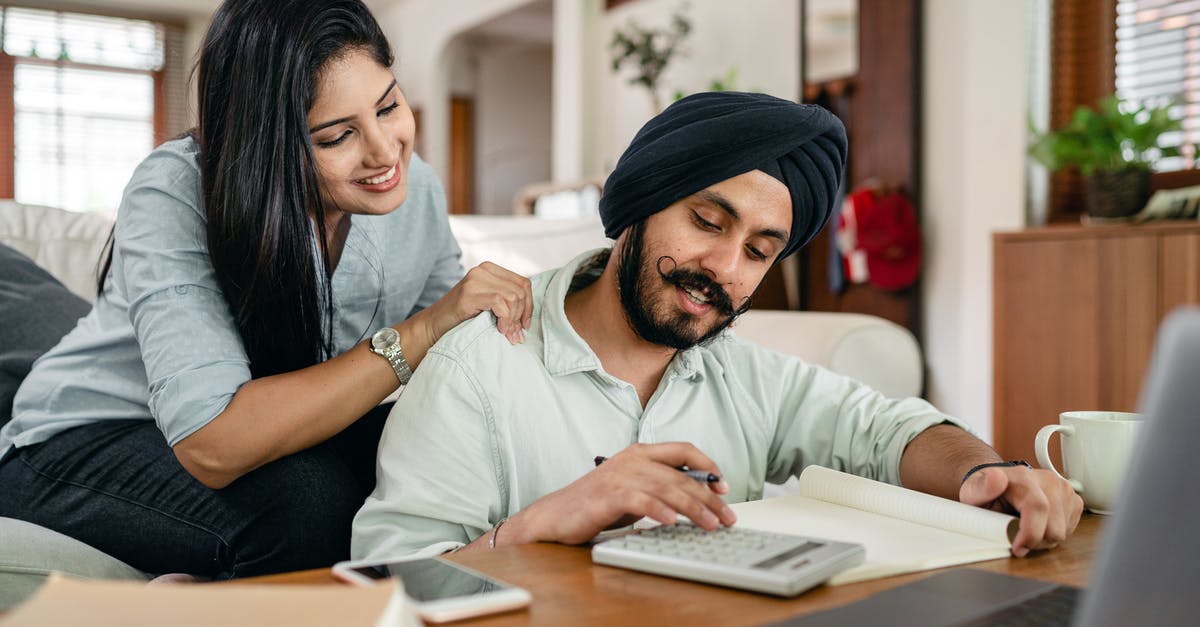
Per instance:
x=1048, y=507
x=641, y=480
x=934, y=463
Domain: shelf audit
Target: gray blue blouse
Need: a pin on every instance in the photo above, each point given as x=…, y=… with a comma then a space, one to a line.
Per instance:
x=161, y=344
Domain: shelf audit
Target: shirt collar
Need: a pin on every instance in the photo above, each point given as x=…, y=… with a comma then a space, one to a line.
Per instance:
x=565, y=352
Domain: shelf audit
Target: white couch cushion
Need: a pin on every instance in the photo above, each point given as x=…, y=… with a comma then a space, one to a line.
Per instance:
x=878, y=352
x=66, y=244
x=525, y=245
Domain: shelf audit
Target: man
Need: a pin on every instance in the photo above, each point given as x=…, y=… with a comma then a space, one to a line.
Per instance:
x=493, y=444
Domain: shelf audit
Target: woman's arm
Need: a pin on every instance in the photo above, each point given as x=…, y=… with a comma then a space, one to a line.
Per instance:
x=276, y=416
x=272, y=417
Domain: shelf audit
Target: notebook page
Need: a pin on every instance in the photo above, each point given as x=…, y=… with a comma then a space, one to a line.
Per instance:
x=893, y=546
x=873, y=496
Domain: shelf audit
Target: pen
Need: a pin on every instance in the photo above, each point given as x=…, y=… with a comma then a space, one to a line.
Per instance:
x=703, y=476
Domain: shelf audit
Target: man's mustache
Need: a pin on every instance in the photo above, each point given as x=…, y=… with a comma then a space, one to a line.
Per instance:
x=700, y=282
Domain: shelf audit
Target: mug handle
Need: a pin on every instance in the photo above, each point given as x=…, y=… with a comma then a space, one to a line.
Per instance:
x=1041, y=446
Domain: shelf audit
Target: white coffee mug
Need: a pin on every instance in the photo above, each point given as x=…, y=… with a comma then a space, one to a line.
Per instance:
x=1096, y=448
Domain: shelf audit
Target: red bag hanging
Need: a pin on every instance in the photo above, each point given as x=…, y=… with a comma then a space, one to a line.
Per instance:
x=879, y=239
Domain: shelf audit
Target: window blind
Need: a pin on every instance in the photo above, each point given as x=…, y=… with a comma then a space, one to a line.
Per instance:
x=1081, y=72
x=79, y=133
x=91, y=97
x=1158, y=63
x=81, y=38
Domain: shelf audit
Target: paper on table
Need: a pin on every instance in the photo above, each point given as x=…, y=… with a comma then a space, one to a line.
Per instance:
x=65, y=601
x=925, y=509
x=902, y=530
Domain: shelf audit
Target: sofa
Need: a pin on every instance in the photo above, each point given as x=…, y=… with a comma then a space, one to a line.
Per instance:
x=68, y=245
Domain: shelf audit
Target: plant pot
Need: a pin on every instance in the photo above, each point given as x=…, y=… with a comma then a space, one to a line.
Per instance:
x=1117, y=193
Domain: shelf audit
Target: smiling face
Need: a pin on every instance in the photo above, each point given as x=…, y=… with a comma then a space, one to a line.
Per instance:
x=690, y=269
x=362, y=135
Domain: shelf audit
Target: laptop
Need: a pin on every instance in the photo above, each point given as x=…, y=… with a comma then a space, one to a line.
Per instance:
x=1147, y=569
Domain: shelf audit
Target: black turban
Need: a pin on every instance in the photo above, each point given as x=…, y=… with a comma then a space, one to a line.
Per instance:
x=707, y=138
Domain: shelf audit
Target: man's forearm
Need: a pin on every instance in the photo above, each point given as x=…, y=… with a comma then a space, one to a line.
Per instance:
x=935, y=461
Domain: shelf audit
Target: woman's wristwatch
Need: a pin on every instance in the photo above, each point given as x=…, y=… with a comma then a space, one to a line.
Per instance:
x=386, y=343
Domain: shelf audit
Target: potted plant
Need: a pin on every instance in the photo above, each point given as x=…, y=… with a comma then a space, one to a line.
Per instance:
x=1114, y=145
x=649, y=51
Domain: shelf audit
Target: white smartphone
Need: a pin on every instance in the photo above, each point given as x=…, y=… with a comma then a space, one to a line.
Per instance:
x=441, y=591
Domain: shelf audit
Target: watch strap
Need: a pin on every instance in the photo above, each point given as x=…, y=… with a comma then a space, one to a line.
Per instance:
x=395, y=357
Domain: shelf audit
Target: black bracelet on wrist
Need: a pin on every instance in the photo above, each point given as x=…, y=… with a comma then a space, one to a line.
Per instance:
x=1015, y=462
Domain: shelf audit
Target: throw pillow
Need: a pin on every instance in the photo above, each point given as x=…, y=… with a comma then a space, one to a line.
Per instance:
x=36, y=311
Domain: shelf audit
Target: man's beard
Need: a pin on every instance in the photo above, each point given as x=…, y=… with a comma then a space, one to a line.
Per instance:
x=636, y=283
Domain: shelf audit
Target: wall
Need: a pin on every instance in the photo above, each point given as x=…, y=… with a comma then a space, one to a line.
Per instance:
x=578, y=64
x=831, y=39
x=594, y=112
x=974, y=99
x=420, y=31
x=195, y=27
x=761, y=39
x=512, y=131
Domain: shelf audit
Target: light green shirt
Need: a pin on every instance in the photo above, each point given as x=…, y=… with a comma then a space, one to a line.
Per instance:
x=485, y=428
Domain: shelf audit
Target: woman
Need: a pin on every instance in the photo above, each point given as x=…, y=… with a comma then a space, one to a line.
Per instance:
x=217, y=412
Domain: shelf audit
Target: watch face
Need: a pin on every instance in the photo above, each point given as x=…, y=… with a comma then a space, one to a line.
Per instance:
x=384, y=337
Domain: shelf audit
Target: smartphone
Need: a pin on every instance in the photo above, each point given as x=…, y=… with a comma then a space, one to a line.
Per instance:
x=441, y=591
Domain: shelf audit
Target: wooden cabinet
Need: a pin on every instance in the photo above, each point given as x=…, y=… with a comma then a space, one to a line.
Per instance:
x=1076, y=309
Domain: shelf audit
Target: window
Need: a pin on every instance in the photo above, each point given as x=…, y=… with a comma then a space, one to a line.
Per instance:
x=1158, y=62
x=83, y=99
x=1145, y=50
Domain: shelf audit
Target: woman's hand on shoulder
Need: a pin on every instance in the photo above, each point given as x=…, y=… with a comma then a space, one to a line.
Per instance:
x=486, y=287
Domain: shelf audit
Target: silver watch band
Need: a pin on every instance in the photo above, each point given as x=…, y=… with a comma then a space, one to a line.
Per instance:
x=395, y=357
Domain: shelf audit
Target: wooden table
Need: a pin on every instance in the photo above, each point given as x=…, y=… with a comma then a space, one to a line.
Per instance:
x=569, y=590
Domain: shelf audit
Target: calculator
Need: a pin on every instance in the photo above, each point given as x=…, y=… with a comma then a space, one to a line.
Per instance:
x=759, y=561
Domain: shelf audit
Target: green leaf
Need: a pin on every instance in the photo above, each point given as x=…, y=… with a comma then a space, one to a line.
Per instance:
x=1111, y=135
x=649, y=51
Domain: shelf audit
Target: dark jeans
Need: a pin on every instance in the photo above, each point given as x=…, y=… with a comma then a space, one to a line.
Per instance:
x=117, y=486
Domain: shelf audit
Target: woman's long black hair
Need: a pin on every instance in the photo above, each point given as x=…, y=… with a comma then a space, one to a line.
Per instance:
x=258, y=73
